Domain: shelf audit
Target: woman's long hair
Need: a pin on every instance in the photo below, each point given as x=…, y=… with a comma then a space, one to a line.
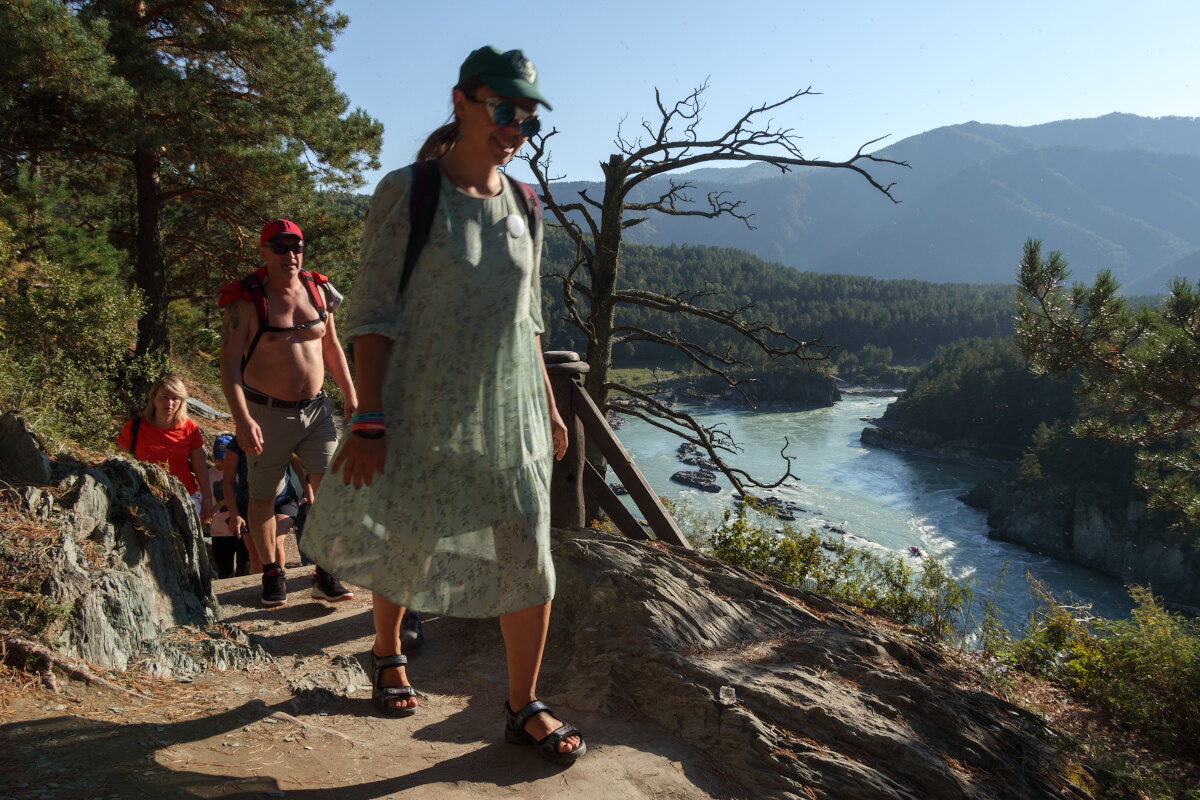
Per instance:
x=174, y=385
x=443, y=139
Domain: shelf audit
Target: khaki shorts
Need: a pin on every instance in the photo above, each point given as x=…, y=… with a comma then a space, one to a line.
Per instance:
x=308, y=432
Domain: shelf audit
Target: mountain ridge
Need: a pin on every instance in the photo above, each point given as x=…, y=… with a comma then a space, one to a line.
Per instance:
x=1118, y=192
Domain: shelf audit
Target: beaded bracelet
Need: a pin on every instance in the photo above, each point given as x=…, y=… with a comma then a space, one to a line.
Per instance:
x=368, y=426
x=368, y=416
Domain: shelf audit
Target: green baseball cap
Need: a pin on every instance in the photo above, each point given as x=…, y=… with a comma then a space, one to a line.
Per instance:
x=508, y=74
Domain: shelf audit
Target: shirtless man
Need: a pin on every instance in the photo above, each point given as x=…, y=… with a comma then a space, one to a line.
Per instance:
x=277, y=341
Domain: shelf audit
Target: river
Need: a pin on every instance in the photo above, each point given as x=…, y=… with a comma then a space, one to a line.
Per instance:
x=883, y=500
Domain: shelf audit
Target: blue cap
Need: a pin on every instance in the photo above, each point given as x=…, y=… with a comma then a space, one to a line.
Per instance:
x=219, y=445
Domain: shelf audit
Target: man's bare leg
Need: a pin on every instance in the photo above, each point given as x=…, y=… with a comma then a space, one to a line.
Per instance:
x=261, y=529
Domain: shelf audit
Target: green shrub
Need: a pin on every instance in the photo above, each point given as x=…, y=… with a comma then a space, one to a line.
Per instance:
x=64, y=352
x=930, y=598
x=1145, y=669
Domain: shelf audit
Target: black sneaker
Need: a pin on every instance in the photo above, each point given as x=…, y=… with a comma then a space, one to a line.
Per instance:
x=326, y=587
x=274, y=583
x=411, y=635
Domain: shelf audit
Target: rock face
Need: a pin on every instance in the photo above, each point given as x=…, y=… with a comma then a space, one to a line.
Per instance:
x=129, y=557
x=1120, y=540
x=1067, y=521
x=826, y=702
x=921, y=443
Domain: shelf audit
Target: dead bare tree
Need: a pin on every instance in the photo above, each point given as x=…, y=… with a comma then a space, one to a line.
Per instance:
x=591, y=289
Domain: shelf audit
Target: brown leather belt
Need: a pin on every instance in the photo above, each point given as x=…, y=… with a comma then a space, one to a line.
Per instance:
x=271, y=402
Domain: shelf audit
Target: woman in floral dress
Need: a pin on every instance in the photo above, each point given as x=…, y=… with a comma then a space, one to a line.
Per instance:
x=444, y=504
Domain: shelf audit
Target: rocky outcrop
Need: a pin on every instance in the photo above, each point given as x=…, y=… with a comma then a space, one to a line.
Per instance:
x=1120, y=539
x=700, y=479
x=921, y=443
x=794, y=695
x=690, y=454
x=127, y=557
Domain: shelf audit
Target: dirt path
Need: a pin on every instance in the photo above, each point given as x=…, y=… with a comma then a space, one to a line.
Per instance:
x=264, y=731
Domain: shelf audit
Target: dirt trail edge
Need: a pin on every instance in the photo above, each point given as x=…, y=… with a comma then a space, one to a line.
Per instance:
x=301, y=724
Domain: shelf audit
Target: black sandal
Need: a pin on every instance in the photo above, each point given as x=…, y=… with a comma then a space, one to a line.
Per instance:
x=383, y=696
x=547, y=746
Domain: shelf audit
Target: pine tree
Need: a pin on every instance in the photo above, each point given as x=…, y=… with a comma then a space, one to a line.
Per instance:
x=1137, y=368
x=203, y=119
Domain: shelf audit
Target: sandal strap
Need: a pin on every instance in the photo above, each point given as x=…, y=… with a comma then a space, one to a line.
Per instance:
x=555, y=738
x=395, y=692
x=521, y=717
x=387, y=662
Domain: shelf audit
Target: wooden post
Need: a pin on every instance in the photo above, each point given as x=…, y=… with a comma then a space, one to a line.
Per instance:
x=581, y=415
x=566, y=484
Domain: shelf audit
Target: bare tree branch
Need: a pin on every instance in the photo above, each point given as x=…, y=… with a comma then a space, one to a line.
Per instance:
x=712, y=440
x=671, y=143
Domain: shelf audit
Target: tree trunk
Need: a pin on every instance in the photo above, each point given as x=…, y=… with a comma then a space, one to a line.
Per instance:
x=151, y=270
x=604, y=268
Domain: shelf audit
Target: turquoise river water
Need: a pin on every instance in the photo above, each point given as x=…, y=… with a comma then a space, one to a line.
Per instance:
x=882, y=500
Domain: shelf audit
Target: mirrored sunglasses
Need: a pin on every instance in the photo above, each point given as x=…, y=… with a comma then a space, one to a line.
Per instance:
x=505, y=112
x=279, y=248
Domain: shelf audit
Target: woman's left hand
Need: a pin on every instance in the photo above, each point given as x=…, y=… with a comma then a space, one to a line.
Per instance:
x=558, y=433
x=206, y=510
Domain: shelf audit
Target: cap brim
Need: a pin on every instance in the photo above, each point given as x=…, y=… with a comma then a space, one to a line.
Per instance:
x=513, y=87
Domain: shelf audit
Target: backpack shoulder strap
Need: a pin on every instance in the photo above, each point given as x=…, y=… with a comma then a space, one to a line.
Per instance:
x=312, y=282
x=426, y=186
x=134, y=425
x=258, y=296
x=533, y=206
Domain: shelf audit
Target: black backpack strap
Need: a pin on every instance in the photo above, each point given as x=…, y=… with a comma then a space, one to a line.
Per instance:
x=426, y=186
x=533, y=206
x=258, y=299
x=134, y=424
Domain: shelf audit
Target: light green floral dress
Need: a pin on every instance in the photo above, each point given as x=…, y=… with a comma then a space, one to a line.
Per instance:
x=458, y=523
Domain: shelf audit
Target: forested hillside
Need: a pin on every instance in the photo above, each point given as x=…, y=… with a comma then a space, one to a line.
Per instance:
x=909, y=318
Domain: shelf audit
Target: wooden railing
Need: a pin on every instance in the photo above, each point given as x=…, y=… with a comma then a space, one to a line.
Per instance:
x=574, y=473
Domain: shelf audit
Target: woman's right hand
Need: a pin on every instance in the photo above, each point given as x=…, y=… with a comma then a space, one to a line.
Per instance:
x=363, y=459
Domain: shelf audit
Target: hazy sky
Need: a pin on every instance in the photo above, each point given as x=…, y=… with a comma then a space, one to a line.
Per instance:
x=882, y=68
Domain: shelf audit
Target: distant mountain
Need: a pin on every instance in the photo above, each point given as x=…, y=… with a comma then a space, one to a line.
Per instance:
x=1119, y=192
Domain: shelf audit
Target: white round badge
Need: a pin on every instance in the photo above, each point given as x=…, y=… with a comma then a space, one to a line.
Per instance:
x=516, y=225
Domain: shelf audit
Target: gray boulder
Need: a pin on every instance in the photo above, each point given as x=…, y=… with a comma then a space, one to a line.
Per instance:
x=127, y=557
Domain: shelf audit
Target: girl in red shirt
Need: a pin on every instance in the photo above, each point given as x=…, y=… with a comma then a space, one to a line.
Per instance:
x=166, y=436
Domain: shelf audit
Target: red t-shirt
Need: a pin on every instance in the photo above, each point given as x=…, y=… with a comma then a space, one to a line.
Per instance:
x=171, y=447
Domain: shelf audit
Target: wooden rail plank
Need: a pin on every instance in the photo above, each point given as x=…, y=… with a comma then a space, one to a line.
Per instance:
x=618, y=458
x=620, y=515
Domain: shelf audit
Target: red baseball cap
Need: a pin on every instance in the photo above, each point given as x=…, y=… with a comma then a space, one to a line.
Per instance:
x=279, y=227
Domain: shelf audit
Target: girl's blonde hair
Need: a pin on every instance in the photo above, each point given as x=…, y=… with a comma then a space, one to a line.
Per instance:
x=174, y=385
